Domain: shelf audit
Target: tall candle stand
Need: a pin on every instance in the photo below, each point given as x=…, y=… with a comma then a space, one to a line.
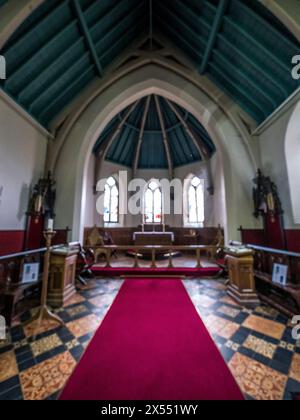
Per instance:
x=44, y=312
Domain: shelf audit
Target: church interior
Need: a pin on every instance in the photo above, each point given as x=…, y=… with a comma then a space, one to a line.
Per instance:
x=149, y=202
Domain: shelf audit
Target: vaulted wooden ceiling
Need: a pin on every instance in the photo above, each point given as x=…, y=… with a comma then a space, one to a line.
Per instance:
x=65, y=44
x=150, y=132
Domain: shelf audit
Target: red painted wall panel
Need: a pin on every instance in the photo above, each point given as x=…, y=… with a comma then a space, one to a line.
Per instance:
x=293, y=240
x=253, y=237
x=60, y=238
x=34, y=235
x=11, y=241
x=256, y=237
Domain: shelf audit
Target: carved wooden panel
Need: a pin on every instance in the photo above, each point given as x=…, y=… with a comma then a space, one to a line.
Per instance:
x=11, y=290
x=287, y=298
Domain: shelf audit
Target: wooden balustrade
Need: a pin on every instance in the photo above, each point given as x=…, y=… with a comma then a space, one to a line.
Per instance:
x=153, y=250
x=12, y=292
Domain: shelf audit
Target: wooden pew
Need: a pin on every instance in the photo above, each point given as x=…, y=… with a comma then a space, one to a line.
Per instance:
x=284, y=298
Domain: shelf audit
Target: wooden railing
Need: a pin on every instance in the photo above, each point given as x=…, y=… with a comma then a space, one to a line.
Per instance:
x=12, y=291
x=265, y=258
x=153, y=250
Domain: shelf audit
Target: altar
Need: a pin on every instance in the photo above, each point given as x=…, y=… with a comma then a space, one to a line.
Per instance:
x=153, y=238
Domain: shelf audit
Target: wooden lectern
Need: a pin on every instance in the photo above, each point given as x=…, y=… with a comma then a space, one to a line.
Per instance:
x=62, y=276
x=241, y=274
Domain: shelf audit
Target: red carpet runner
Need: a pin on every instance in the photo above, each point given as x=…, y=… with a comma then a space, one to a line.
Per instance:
x=152, y=345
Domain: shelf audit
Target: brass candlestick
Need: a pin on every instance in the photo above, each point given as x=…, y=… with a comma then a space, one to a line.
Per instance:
x=44, y=312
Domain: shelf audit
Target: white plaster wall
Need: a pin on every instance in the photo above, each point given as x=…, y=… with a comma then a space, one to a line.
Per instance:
x=90, y=199
x=22, y=159
x=218, y=216
x=272, y=149
x=292, y=154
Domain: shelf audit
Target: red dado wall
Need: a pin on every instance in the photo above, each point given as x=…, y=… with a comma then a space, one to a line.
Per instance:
x=253, y=237
x=293, y=240
x=11, y=241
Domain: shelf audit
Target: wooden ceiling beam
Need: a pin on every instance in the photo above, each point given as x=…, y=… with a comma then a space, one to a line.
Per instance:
x=103, y=150
x=86, y=32
x=165, y=137
x=141, y=137
x=201, y=150
x=203, y=154
x=220, y=13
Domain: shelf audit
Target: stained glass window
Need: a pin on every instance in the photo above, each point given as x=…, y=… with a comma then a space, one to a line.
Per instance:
x=153, y=203
x=196, y=201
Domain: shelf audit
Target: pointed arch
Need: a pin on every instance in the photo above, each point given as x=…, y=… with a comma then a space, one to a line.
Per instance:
x=237, y=166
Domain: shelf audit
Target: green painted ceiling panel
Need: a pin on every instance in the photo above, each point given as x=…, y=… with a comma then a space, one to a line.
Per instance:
x=200, y=132
x=259, y=76
x=50, y=59
x=182, y=148
x=124, y=39
x=153, y=153
x=66, y=96
x=122, y=150
x=38, y=15
x=65, y=44
x=251, y=57
x=174, y=20
x=152, y=121
x=48, y=76
x=37, y=38
x=62, y=83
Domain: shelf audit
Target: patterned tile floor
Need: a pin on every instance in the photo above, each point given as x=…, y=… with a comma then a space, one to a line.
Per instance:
x=256, y=344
